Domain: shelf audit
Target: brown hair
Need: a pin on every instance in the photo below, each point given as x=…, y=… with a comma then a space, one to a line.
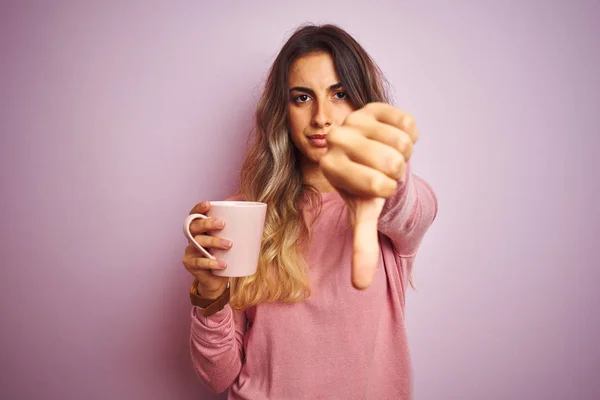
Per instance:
x=271, y=172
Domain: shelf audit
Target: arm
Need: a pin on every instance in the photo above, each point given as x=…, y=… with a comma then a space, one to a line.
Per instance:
x=217, y=343
x=408, y=214
x=217, y=346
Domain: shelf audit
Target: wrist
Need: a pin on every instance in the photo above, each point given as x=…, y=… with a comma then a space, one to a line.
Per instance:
x=209, y=305
x=210, y=294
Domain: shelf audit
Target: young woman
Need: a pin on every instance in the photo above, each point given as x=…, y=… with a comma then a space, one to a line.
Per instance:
x=323, y=318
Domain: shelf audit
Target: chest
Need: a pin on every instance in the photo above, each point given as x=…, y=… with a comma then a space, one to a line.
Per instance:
x=334, y=302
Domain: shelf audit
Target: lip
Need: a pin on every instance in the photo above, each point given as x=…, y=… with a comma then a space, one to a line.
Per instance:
x=318, y=140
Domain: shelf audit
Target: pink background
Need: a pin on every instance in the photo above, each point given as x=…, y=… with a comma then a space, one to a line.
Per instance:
x=117, y=117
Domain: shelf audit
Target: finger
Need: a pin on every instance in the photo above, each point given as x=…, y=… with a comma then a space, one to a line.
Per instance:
x=203, y=225
x=191, y=250
x=209, y=242
x=391, y=115
x=369, y=152
x=365, y=253
x=381, y=132
x=194, y=264
x=201, y=208
x=345, y=174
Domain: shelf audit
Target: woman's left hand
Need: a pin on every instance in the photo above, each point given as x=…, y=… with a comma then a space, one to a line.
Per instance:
x=365, y=160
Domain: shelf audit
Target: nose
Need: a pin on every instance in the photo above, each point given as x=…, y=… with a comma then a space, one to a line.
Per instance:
x=322, y=114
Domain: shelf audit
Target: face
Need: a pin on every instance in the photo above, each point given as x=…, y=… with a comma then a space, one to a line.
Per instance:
x=317, y=102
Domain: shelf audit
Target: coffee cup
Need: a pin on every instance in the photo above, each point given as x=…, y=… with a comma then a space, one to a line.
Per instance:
x=244, y=226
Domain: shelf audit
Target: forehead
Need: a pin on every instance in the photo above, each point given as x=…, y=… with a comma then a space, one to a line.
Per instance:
x=313, y=70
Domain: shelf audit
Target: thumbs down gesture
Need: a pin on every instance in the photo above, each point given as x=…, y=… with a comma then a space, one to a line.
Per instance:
x=366, y=160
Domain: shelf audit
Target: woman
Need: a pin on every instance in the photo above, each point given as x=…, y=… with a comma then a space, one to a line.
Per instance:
x=344, y=214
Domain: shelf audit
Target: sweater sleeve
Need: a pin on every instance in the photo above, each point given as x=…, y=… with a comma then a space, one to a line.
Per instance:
x=408, y=214
x=217, y=346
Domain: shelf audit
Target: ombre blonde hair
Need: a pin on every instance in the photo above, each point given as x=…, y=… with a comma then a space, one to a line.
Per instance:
x=271, y=173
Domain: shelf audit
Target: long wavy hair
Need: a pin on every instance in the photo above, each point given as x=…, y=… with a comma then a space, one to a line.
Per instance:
x=271, y=171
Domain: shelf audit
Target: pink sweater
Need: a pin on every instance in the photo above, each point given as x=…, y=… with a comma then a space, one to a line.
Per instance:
x=341, y=343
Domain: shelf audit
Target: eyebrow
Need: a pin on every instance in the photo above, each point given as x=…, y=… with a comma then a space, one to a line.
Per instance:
x=335, y=86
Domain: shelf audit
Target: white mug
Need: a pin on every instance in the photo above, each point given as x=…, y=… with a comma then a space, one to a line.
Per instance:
x=244, y=226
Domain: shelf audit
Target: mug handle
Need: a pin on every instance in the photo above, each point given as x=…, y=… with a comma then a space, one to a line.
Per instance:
x=188, y=234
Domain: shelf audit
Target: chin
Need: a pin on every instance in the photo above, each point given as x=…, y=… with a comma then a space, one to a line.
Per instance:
x=312, y=156
x=317, y=155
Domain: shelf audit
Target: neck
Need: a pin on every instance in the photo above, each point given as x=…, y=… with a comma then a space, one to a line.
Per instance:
x=313, y=176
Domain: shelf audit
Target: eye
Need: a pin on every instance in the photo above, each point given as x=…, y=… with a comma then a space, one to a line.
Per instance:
x=301, y=98
x=341, y=95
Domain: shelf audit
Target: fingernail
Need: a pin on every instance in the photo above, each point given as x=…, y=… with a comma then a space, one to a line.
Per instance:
x=220, y=223
x=221, y=264
x=226, y=243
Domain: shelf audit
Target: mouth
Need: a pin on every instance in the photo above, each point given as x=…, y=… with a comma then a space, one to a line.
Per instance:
x=318, y=140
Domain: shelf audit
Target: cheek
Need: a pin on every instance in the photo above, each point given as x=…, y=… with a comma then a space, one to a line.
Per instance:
x=293, y=126
x=296, y=121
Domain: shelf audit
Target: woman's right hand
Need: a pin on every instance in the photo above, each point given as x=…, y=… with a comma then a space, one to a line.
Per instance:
x=209, y=286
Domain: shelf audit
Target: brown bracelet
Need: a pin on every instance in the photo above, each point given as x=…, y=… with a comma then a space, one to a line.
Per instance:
x=210, y=306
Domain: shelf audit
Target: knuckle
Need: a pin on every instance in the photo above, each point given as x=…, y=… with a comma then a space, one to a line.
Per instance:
x=199, y=239
x=381, y=187
x=208, y=224
x=196, y=208
x=408, y=121
x=200, y=208
x=353, y=118
x=373, y=184
x=334, y=136
x=401, y=143
x=195, y=227
x=187, y=262
x=391, y=189
x=200, y=262
x=371, y=106
x=396, y=164
x=406, y=144
x=202, y=225
x=401, y=171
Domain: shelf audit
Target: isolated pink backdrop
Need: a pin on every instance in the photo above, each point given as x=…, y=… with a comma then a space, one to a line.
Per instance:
x=117, y=117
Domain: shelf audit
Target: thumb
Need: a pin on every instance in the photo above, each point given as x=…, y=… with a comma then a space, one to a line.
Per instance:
x=365, y=251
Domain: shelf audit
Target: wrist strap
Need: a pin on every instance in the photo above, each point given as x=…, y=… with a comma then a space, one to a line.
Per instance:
x=210, y=306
